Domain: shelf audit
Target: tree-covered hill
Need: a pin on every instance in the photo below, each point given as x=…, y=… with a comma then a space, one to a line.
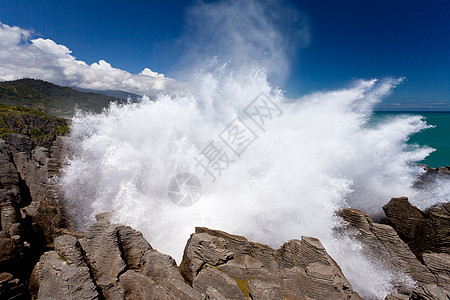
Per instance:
x=45, y=96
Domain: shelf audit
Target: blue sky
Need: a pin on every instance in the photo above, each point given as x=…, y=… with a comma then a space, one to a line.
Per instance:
x=348, y=40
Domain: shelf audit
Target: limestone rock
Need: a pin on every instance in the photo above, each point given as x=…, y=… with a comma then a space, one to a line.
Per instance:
x=102, y=248
x=133, y=246
x=201, y=249
x=382, y=241
x=136, y=285
x=422, y=230
x=307, y=261
x=266, y=289
x=9, y=178
x=5, y=277
x=114, y=261
x=430, y=292
x=68, y=247
x=397, y=296
x=220, y=281
x=104, y=217
x=175, y=289
x=301, y=268
x=30, y=205
x=406, y=219
x=7, y=250
x=160, y=267
x=439, y=265
x=433, y=175
x=55, y=278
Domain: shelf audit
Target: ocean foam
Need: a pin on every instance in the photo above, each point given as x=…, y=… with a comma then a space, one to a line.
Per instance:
x=320, y=155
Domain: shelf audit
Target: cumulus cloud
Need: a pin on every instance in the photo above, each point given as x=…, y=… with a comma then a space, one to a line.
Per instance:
x=21, y=56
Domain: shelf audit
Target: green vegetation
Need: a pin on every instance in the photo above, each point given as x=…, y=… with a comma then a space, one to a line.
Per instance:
x=41, y=127
x=64, y=259
x=243, y=285
x=47, y=97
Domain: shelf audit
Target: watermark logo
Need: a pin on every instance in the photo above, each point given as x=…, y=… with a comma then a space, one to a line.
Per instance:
x=262, y=109
x=184, y=189
x=238, y=136
x=218, y=155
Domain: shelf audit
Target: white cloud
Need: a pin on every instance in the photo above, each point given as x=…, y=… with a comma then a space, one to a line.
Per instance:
x=10, y=34
x=149, y=72
x=44, y=59
x=51, y=47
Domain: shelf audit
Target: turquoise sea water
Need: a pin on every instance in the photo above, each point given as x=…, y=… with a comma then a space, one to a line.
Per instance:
x=437, y=137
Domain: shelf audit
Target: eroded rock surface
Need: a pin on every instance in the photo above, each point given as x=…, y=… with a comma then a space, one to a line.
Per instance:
x=30, y=208
x=109, y=262
x=116, y=262
x=422, y=230
x=429, y=270
x=299, y=269
x=433, y=176
x=382, y=242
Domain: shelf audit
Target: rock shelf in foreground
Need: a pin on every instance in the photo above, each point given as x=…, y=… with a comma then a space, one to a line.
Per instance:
x=115, y=262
